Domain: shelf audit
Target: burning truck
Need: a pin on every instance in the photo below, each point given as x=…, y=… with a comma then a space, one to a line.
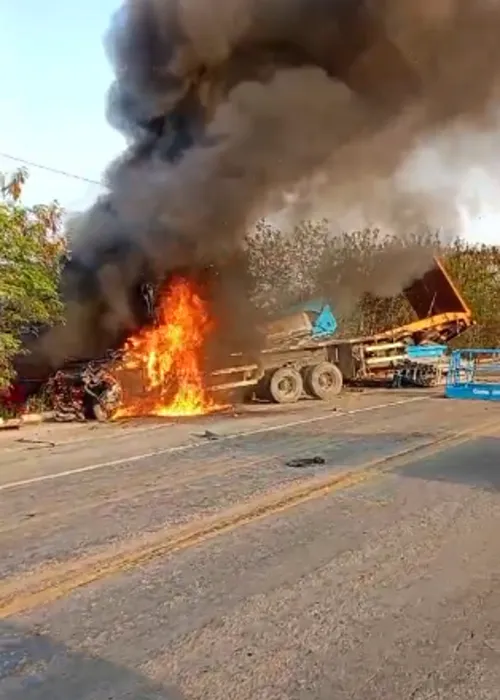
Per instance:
x=165, y=367
x=162, y=348
x=226, y=111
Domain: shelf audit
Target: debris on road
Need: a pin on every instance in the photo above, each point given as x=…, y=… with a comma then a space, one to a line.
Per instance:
x=43, y=443
x=207, y=435
x=303, y=462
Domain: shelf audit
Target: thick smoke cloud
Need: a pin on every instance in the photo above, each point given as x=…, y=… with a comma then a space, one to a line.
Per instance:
x=229, y=107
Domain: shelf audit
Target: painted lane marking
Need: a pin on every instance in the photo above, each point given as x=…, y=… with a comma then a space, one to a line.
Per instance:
x=56, y=582
x=202, y=443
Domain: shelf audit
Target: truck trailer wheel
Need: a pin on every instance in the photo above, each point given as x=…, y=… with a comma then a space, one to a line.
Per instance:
x=323, y=381
x=285, y=385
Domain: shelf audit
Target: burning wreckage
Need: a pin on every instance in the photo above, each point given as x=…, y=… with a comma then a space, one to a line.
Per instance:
x=153, y=367
x=161, y=369
x=223, y=113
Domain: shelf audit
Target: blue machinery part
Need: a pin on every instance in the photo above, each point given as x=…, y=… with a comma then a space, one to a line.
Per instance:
x=324, y=322
x=426, y=352
x=467, y=374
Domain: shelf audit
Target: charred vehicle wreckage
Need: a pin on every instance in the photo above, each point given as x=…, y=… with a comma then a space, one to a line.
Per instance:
x=84, y=391
x=80, y=388
x=83, y=385
x=80, y=376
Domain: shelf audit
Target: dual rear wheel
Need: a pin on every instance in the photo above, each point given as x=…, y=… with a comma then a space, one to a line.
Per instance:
x=286, y=384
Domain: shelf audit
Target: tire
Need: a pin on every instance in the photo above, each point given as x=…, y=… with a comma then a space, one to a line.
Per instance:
x=285, y=385
x=323, y=381
x=109, y=400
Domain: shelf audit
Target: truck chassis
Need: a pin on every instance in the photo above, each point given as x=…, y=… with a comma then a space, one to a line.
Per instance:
x=318, y=369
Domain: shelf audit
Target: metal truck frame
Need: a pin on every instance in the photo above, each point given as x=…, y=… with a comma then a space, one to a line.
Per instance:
x=320, y=367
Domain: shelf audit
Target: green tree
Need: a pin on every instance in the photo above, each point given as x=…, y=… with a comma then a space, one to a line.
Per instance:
x=31, y=243
x=476, y=271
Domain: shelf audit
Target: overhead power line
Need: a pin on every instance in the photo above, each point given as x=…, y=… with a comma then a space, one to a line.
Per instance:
x=49, y=169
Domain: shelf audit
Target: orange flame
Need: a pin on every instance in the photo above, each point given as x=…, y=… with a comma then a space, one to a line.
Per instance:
x=169, y=359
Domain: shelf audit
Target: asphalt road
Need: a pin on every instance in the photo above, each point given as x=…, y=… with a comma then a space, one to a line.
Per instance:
x=313, y=553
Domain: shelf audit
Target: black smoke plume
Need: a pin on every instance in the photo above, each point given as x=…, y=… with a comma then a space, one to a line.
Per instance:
x=228, y=107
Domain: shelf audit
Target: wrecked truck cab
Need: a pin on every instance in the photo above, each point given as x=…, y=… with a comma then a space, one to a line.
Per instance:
x=84, y=392
x=79, y=383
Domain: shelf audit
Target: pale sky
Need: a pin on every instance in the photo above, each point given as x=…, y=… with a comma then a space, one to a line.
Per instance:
x=54, y=80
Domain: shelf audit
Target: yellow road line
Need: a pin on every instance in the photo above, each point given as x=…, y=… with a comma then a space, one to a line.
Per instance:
x=55, y=582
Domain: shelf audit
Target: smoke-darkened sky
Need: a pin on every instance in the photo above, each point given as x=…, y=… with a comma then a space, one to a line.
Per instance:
x=63, y=97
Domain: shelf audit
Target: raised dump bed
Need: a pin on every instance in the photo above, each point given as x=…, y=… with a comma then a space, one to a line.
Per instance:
x=441, y=312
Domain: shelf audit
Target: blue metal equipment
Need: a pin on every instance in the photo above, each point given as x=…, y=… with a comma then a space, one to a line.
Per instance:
x=474, y=374
x=323, y=322
x=426, y=352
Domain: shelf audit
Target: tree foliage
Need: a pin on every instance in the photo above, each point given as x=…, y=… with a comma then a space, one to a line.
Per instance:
x=30, y=247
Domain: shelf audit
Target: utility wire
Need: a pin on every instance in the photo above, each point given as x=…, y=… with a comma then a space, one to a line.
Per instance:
x=31, y=164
